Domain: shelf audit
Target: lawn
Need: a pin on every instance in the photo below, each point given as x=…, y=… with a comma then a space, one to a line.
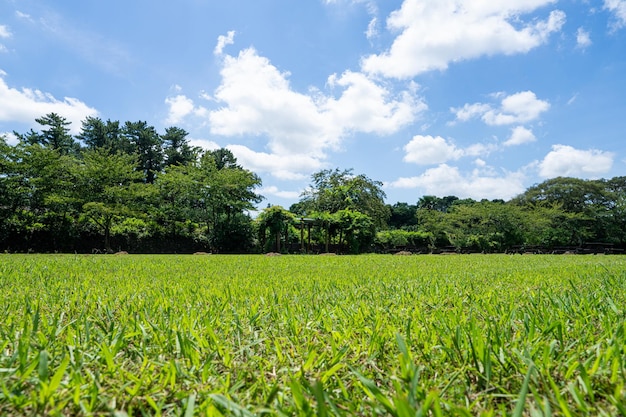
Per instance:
x=312, y=335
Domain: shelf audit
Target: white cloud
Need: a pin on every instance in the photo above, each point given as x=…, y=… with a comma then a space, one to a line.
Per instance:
x=222, y=41
x=566, y=161
x=583, y=39
x=520, y=107
x=23, y=15
x=470, y=111
x=258, y=100
x=480, y=183
x=179, y=107
x=618, y=8
x=273, y=190
x=284, y=167
x=436, y=33
x=5, y=33
x=10, y=138
x=519, y=136
x=25, y=105
x=372, y=29
x=365, y=106
x=207, y=145
x=428, y=150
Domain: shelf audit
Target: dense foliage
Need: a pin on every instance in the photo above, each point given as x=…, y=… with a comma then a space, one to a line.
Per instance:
x=121, y=187
x=365, y=335
x=126, y=187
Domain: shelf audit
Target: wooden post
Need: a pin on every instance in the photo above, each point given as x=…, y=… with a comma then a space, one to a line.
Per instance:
x=327, y=236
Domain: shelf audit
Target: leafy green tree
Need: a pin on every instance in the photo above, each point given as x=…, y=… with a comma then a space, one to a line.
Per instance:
x=357, y=230
x=335, y=190
x=431, y=202
x=217, y=198
x=433, y=222
x=43, y=179
x=485, y=226
x=223, y=158
x=573, y=195
x=104, y=185
x=275, y=220
x=403, y=216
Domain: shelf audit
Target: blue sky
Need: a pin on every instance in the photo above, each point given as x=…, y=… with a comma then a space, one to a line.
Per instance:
x=473, y=98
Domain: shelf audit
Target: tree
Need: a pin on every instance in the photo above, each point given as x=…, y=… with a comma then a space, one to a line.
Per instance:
x=146, y=144
x=104, y=187
x=42, y=179
x=335, y=190
x=55, y=135
x=431, y=202
x=276, y=221
x=223, y=158
x=218, y=198
x=485, y=226
x=403, y=216
x=177, y=150
x=97, y=134
x=357, y=230
x=573, y=195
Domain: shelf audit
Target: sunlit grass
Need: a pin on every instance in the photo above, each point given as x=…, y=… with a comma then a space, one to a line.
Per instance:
x=307, y=335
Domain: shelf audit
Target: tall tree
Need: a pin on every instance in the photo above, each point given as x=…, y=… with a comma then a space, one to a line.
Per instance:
x=96, y=134
x=146, y=144
x=334, y=190
x=223, y=158
x=54, y=134
x=104, y=188
x=217, y=198
x=176, y=147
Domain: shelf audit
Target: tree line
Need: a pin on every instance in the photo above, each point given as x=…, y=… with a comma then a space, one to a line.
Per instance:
x=117, y=186
x=121, y=187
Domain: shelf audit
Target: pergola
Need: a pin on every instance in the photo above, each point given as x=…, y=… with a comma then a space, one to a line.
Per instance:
x=308, y=222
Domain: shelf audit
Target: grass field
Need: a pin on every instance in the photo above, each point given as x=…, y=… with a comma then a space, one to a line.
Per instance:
x=312, y=335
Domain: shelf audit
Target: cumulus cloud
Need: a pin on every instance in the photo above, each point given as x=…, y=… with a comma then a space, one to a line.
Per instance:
x=256, y=99
x=480, y=183
x=583, y=39
x=222, y=41
x=520, y=107
x=519, y=136
x=428, y=150
x=284, y=167
x=207, y=145
x=274, y=191
x=618, y=8
x=25, y=105
x=179, y=107
x=436, y=33
x=566, y=161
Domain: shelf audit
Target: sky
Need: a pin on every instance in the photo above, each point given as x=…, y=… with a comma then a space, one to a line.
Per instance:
x=472, y=98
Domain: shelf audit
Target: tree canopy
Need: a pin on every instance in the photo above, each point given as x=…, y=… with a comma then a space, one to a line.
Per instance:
x=127, y=186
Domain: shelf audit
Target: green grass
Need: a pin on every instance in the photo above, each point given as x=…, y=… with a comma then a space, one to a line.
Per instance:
x=310, y=335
